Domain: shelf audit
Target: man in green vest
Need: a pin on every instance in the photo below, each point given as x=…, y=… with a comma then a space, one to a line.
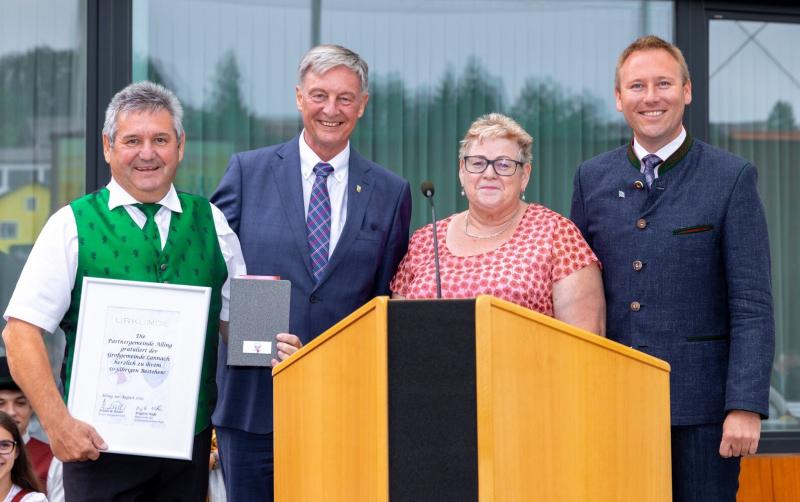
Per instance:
x=140, y=228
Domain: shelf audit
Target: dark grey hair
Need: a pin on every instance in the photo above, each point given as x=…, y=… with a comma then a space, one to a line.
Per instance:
x=326, y=57
x=143, y=97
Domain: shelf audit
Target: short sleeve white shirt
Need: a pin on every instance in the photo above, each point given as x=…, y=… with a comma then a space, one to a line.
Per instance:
x=43, y=292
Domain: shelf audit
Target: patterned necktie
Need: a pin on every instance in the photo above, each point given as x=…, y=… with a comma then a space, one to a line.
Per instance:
x=650, y=162
x=150, y=228
x=318, y=222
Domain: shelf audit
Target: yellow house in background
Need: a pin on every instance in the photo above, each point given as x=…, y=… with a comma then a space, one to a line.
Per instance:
x=23, y=213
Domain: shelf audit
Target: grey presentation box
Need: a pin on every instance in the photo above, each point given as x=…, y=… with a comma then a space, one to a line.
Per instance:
x=259, y=310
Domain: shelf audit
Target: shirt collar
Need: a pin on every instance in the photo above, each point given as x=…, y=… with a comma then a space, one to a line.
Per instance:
x=665, y=151
x=309, y=159
x=26, y=437
x=117, y=196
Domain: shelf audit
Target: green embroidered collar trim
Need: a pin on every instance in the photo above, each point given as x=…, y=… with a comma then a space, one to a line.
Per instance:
x=668, y=164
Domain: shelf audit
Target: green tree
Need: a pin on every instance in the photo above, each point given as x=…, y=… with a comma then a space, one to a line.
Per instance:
x=34, y=85
x=229, y=117
x=781, y=117
x=566, y=129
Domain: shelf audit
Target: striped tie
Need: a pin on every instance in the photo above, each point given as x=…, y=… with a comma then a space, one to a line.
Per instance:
x=650, y=162
x=318, y=222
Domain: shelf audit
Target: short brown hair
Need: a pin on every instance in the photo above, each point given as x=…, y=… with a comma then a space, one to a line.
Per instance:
x=497, y=125
x=651, y=43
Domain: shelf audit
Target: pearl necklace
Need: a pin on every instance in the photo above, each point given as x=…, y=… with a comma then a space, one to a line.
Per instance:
x=490, y=236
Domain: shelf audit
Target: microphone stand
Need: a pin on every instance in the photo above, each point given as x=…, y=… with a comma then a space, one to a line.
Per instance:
x=427, y=191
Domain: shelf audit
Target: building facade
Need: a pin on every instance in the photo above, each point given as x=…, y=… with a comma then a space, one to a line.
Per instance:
x=434, y=66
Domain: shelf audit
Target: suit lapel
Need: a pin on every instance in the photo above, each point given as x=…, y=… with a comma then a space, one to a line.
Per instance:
x=359, y=191
x=288, y=180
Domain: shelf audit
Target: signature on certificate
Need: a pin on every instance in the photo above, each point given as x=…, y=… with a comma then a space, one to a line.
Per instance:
x=111, y=408
x=153, y=413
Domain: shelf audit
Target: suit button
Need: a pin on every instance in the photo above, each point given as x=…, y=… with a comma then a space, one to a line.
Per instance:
x=636, y=306
x=163, y=266
x=638, y=185
x=641, y=223
x=314, y=299
x=637, y=265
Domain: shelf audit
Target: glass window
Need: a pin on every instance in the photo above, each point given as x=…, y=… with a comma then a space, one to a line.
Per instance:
x=8, y=229
x=754, y=88
x=232, y=65
x=42, y=123
x=434, y=67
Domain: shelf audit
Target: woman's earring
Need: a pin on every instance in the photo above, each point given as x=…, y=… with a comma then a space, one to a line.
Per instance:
x=523, y=195
x=462, y=192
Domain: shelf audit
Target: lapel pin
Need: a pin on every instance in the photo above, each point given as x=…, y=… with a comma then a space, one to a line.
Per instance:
x=358, y=188
x=621, y=194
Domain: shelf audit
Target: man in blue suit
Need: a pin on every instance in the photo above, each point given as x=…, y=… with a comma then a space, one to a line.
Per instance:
x=681, y=233
x=317, y=213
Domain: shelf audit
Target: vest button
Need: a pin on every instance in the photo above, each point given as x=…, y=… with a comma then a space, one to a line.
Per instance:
x=163, y=266
x=637, y=265
x=636, y=306
x=638, y=185
x=641, y=223
x=314, y=299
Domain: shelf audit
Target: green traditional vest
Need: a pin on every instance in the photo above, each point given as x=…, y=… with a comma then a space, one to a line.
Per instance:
x=111, y=245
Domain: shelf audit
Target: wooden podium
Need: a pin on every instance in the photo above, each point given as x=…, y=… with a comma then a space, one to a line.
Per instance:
x=469, y=400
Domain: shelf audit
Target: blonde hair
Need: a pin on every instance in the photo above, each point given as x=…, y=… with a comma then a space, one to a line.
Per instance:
x=497, y=125
x=650, y=43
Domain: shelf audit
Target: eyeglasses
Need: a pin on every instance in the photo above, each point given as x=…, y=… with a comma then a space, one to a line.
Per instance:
x=503, y=166
x=7, y=446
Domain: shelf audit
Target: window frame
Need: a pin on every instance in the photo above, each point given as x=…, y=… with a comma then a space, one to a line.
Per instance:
x=109, y=59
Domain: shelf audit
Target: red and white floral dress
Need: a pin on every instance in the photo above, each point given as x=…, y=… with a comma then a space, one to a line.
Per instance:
x=544, y=248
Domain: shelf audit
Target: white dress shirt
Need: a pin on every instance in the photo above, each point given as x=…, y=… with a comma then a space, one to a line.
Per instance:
x=43, y=293
x=663, y=153
x=337, y=186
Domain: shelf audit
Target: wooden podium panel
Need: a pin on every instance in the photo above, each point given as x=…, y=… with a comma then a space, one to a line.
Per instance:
x=330, y=421
x=567, y=415
x=469, y=400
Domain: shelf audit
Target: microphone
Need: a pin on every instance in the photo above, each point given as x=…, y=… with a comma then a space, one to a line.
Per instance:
x=428, y=191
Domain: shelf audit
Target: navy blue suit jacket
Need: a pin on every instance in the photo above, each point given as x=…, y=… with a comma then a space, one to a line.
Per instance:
x=261, y=195
x=686, y=272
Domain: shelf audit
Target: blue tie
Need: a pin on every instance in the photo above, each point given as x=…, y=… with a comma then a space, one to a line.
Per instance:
x=650, y=162
x=318, y=221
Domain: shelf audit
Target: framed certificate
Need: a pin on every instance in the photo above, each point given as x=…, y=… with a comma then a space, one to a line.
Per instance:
x=137, y=362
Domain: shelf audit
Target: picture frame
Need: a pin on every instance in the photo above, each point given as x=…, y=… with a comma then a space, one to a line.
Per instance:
x=136, y=364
